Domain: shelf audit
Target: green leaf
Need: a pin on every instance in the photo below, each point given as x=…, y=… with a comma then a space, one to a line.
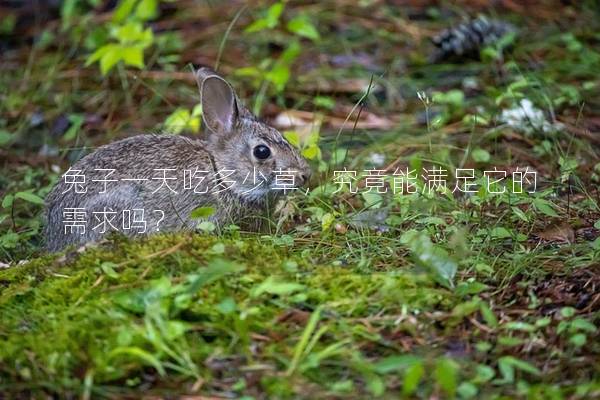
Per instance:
x=301, y=26
x=279, y=75
x=519, y=326
x=271, y=286
x=519, y=213
x=143, y=355
x=454, y=98
x=68, y=10
x=109, y=269
x=432, y=221
x=257, y=25
x=217, y=269
x=217, y=248
x=5, y=137
x=270, y=20
x=467, y=390
x=488, y=315
x=207, y=226
x=509, y=341
x=98, y=54
x=311, y=152
x=139, y=300
x=273, y=14
x=545, y=207
x=508, y=364
x=7, y=201
x=290, y=53
x=567, y=312
x=567, y=165
x=484, y=373
x=133, y=56
x=133, y=34
x=543, y=322
x=76, y=121
x=30, y=197
x=339, y=156
x=202, y=212
x=9, y=240
x=123, y=10
x=372, y=199
x=313, y=138
x=412, y=377
x=578, y=339
x=446, y=375
x=395, y=363
x=376, y=385
x=110, y=59
x=462, y=310
x=467, y=288
x=434, y=258
x=226, y=306
x=147, y=10
x=500, y=232
x=480, y=155
x=580, y=324
x=178, y=121
x=293, y=137
x=324, y=102
x=197, y=110
x=326, y=221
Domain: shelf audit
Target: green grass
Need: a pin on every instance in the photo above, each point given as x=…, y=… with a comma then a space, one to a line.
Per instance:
x=348, y=295
x=244, y=316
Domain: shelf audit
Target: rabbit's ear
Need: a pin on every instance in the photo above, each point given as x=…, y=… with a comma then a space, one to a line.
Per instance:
x=219, y=104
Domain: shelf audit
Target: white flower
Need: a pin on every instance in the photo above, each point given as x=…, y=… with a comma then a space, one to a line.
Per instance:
x=377, y=159
x=527, y=118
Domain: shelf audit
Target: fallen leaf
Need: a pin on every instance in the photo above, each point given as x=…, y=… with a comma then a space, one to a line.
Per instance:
x=306, y=120
x=562, y=233
x=295, y=316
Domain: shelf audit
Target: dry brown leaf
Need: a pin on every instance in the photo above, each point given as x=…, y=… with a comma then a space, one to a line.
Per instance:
x=295, y=316
x=558, y=233
x=307, y=121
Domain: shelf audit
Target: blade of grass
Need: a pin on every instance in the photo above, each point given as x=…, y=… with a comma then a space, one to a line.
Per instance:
x=303, y=343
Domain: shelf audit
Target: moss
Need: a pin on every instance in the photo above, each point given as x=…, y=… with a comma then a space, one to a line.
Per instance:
x=164, y=313
x=170, y=304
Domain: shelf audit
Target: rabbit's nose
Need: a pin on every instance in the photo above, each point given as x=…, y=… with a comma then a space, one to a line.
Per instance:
x=303, y=177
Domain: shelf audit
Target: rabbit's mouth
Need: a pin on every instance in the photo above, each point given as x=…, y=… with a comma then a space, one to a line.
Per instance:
x=256, y=195
x=261, y=195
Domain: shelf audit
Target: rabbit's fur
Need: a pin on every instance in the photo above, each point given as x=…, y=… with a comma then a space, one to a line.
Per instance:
x=233, y=134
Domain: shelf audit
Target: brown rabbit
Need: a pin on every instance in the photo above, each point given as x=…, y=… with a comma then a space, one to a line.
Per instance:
x=149, y=183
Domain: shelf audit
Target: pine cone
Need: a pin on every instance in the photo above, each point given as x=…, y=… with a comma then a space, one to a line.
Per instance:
x=467, y=39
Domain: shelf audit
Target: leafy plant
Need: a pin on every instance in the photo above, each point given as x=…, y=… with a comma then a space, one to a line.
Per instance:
x=183, y=119
x=575, y=329
x=299, y=25
x=132, y=39
x=307, y=140
x=435, y=259
x=453, y=102
x=277, y=72
x=129, y=36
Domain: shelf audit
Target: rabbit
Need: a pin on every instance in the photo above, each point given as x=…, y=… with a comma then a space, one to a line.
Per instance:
x=138, y=185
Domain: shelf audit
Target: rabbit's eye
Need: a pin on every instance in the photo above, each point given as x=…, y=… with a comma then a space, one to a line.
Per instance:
x=262, y=152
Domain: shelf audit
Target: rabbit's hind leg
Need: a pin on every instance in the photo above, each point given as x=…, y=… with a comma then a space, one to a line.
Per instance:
x=117, y=210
